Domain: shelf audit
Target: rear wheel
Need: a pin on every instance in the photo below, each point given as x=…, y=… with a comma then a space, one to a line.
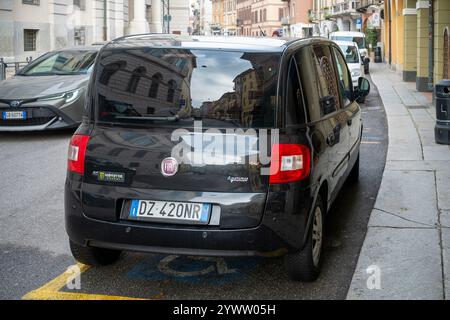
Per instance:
x=94, y=256
x=305, y=265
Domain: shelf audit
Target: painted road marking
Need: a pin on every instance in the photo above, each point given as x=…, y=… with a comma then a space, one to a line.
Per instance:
x=51, y=290
x=370, y=142
x=194, y=269
x=220, y=265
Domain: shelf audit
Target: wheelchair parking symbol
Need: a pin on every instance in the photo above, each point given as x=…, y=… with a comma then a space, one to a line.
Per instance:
x=194, y=269
x=217, y=265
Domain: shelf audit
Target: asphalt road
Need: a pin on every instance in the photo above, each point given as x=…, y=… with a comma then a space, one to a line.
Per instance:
x=34, y=246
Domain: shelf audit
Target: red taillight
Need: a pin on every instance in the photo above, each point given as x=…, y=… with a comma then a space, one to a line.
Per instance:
x=77, y=151
x=289, y=162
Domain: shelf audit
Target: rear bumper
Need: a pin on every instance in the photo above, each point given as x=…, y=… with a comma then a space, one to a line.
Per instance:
x=128, y=236
x=281, y=230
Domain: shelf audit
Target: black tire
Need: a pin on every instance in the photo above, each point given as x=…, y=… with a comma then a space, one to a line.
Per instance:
x=353, y=176
x=361, y=100
x=94, y=256
x=301, y=265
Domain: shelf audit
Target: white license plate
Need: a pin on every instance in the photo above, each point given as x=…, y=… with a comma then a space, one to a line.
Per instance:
x=183, y=212
x=14, y=115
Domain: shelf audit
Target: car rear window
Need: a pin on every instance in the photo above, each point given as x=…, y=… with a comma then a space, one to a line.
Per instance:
x=360, y=41
x=351, y=53
x=154, y=86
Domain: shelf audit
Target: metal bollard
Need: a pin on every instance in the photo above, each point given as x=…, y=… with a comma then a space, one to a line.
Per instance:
x=442, y=128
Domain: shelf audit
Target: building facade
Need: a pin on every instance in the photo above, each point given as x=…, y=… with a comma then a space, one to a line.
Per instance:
x=267, y=16
x=32, y=27
x=218, y=16
x=205, y=16
x=298, y=21
x=230, y=16
x=244, y=17
x=336, y=15
x=409, y=49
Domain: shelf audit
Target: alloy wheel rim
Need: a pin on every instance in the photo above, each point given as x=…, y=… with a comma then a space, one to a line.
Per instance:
x=317, y=236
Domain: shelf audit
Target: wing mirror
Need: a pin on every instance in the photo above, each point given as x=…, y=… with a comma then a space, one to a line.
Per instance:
x=363, y=88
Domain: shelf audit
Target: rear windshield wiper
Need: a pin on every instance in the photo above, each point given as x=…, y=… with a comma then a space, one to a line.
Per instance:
x=174, y=118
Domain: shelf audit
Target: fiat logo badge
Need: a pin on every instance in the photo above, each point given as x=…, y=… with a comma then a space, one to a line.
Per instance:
x=169, y=167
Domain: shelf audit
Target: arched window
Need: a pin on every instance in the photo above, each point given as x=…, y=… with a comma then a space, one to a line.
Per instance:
x=109, y=70
x=134, y=80
x=156, y=80
x=172, y=85
x=446, y=51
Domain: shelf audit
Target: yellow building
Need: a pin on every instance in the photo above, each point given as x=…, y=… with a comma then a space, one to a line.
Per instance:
x=407, y=40
x=218, y=16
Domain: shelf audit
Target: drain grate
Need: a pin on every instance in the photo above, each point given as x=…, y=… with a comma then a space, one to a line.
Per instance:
x=416, y=107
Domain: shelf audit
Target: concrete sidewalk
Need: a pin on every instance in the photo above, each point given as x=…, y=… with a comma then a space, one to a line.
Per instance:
x=406, y=252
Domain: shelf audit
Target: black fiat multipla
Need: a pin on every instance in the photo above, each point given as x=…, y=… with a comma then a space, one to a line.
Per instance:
x=215, y=146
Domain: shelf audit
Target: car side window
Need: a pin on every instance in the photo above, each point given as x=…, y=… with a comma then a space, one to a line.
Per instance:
x=327, y=82
x=344, y=79
x=295, y=113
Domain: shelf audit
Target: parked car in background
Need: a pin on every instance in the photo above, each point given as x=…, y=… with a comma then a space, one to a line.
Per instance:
x=127, y=188
x=353, y=59
x=49, y=92
x=359, y=38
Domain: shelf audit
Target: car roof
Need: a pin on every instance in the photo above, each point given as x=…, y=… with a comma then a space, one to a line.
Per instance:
x=345, y=43
x=349, y=33
x=252, y=44
x=94, y=46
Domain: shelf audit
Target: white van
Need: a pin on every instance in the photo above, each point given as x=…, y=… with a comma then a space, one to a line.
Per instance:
x=358, y=37
x=353, y=59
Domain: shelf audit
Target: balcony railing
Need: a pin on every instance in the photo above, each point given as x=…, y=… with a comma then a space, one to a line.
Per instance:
x=345, y=7
x=363, y=4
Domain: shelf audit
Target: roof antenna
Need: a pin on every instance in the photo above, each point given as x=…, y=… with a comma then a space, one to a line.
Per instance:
x=262, y=31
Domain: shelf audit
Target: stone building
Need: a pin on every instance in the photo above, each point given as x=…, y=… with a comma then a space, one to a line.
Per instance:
x=32, y=27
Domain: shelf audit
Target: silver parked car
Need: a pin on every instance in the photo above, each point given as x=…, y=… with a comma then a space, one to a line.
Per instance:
x=49, y=92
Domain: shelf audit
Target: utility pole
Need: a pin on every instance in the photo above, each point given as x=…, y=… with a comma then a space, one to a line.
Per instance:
x=105, y=20
x=320, y=17
x=166, y=15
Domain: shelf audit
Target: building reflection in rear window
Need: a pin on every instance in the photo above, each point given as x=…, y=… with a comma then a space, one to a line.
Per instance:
x=151, y=86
